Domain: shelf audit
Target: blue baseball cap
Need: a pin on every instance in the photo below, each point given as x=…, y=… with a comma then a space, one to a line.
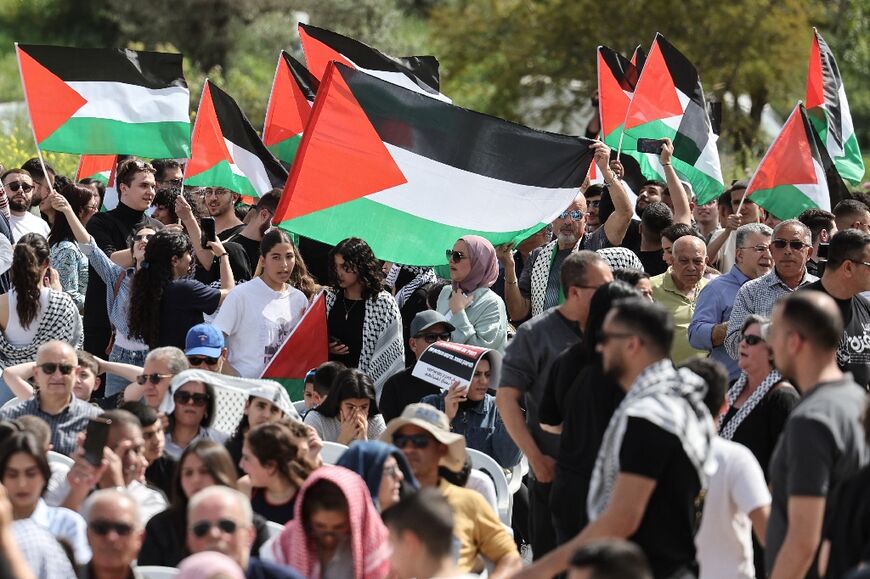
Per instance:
x=204, y=340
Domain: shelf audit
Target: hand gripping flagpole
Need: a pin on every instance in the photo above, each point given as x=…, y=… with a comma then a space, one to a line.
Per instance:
x=30, y=118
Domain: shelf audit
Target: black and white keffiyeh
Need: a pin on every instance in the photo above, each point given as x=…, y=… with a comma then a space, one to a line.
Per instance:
x=727, y=431
x=620, y=258
x=670, y=399
x=422, y=276
x=61, y=321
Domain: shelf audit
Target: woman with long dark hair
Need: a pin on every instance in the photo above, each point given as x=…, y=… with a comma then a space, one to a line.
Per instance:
x=66, y=256
x=350, y=411
x=35, y=310
x=164, y=302
x=257, y=316
x=365, y=326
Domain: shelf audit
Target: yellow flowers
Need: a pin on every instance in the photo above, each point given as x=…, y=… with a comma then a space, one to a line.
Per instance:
x=17, y=146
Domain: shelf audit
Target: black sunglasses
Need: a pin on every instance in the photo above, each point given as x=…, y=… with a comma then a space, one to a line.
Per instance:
x=432, y=338
x=202, y=528
x=418, y=440
x=794, y=244
x=196, y=399
x=752, y=339
x=455, y=256
x=143, y=237
x=103, y=528
x=16, y=185
x=199, y=360
x=51, y=368
x=153, y=378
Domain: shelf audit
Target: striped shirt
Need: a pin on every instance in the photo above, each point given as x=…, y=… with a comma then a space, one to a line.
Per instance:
x=43, y=553
x=65, y=425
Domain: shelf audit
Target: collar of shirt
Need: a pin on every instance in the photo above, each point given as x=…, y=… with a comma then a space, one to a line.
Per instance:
x=773, y=279
x=737, y=274
x=669, y=286
x=59, y=412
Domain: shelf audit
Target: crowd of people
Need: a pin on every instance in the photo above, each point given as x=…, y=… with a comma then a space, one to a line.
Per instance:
x=669, y=390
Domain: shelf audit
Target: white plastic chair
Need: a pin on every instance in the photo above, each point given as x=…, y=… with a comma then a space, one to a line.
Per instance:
x=274, y=528
x=56, y=457
x=516, y=474
x=156, y=572
x=503, y=495
x=331, y=451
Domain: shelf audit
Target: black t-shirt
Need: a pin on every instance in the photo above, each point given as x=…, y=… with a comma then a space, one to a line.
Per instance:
x=161, y=474
x=238, y=264
x=234, y=448
x=631, y=240
x=271, y=512
x=853, y=353
x=252, y=250
x=848, y=527
x=667, y=531
x=563, y=373
x=183, y=303
x=345, y=322
x=652, y=262
x=402, y=389
x=230, y=231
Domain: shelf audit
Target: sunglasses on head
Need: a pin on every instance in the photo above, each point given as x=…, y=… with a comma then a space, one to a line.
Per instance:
x=197, y=399
x=103, y=528
x=455, y=256
x=199, y=360
x=794, y=244
x=201, y=528
x=432, y=338
x=574, y=214
x=153, y=378
x=752, y=339
x=16, y=185
x=51, y=368
x=418, y=440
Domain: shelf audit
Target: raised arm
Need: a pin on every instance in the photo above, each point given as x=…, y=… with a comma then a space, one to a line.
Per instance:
x=679, y=198
x=191, y=225
x=618, y=221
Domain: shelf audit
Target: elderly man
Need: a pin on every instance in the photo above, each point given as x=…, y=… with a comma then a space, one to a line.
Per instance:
x=54, y=375
x=220, y=519
x=677, y=290
x=205, y=348
x=713, y=307
x=152, y=386
x=115, y=534
x=539, y=288
x=791, y=248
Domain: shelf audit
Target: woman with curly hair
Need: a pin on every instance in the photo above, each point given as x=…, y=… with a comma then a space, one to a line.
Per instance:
x=365, y=326
x=164, y=302
x=66, y=256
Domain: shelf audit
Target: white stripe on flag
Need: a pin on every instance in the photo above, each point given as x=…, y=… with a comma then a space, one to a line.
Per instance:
x=250, y=166
x=818, y=191
x=130, y=103
x=403, y=81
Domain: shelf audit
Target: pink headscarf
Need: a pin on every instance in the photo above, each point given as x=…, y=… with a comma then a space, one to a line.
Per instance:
x=484, y=264
x=369, y=538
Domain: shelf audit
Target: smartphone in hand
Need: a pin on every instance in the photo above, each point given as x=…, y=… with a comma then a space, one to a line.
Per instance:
x=653, y=146
x=208, y=230
x=95, y=439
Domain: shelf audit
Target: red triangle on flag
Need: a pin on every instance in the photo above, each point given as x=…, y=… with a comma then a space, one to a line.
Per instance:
x=341, y=157
x=207, y=146
x=90, y=165
x=789, y=160
x=612, y=100
x=288, y=109
x=50, y=100
x=305, y=348
x=655, y=96
x=815, y=79
x=319, y=55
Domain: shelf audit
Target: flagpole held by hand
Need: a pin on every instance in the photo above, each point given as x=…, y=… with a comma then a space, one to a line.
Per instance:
x=742, y=199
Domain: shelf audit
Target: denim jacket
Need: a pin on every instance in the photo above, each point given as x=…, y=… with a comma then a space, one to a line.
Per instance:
x=483, y=429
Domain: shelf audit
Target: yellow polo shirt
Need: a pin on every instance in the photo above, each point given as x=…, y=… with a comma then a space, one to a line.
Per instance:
x=682, y=309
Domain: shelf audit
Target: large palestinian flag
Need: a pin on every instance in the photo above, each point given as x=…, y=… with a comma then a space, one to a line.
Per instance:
x=796, y=173
x=669, y=102
x=410, y=174
x=227, y=151
x=293, y=92
x=305, y=348
x=417, y=73
x=828, y=110
x=106, y=101
x=617, y=78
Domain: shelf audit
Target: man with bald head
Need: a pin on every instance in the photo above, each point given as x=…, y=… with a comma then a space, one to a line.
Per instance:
x=677, y=290
x=53, y=401
x=822, y=442
x=115, y=534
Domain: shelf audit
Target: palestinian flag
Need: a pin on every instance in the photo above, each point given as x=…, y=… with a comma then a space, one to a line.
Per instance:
x=410, y=174
x=416, y=73
x=106, y=101
x=227, y=151
x=617, y=77
x=796, y=173
x=669, y=101
x=289, y=107
x=828, y=110
x=305, y=348
x=97, y=167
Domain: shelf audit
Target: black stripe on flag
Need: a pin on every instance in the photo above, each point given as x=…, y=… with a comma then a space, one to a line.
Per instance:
x=469, y=140
x=620, y=67
x=237, y=129
x=152, y=70
x=306, y=82
x=837, y=189
x=831, y=82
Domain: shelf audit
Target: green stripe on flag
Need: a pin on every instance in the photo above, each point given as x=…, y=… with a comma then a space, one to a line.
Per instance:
x=295, y=387
x=286, y=150
x=392, y=234
x=221, y=175
x=93, y=136
x=785, y=201
x=851, y=165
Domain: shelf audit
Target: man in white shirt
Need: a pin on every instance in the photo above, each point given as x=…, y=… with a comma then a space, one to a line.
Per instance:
x=19, y=188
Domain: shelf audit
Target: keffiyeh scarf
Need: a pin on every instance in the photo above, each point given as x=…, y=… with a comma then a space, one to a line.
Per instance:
x=727, y=431
x=422, y=276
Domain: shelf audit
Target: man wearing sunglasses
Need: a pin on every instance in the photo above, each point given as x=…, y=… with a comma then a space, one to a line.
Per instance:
x=54, y=376
x=115, y=534
x=205, y=348
x=402, y=389
x=19, y=189
x=220, y=519
x=790, y=248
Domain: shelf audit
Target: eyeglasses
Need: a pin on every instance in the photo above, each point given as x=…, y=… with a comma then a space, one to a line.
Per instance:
x=51, y=368
x=761, y=248
x=201, y=528
x=419, y=441
x=607, y=336
x=143, y=379
x=575, y=214
x=455, y=256
x=794, y=244
x=197, y=399
x=102, y=528
x=199, y=360
x=172, y=182
x=752, y=339
x=392, y=471
x=859, y=262
x=16, y=185
x=143, y=237
x=432, y=338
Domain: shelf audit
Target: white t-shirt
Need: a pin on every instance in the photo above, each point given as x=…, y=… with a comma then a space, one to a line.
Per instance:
x=27, y=223
x=257, y=320
x=724, y=540
x=728, y=251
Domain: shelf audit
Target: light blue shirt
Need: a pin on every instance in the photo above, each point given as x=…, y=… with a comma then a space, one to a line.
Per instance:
x=67, y=525
x=714, y=307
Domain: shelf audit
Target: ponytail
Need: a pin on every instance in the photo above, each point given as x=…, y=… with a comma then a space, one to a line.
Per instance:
x=28, y=263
